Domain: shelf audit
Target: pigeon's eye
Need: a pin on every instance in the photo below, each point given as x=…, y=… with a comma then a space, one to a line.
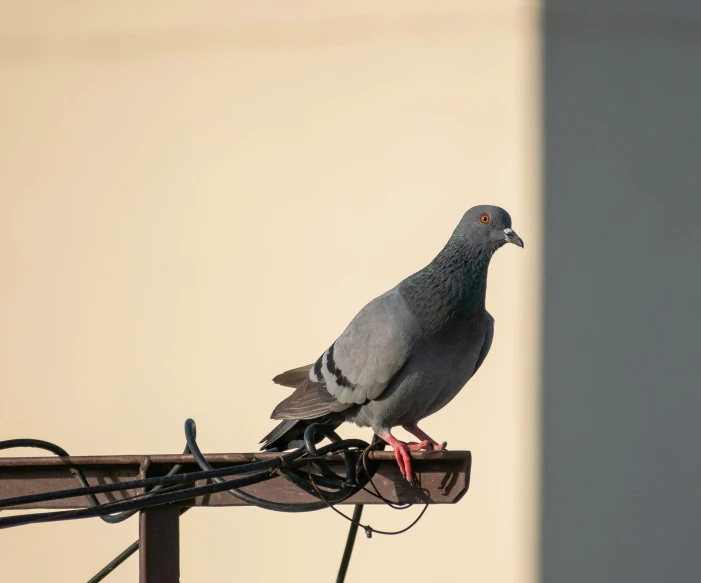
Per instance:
x=484, y=219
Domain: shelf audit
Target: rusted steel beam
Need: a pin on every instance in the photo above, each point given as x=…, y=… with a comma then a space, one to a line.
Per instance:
x=444, y=477
x=159, y=544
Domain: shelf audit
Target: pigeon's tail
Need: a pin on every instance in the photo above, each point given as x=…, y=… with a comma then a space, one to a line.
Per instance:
x=293, y=378
x=289, y=433
x=278, y=439
x=308, y=404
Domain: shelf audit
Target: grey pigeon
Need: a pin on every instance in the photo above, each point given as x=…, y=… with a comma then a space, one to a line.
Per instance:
x=408, y=352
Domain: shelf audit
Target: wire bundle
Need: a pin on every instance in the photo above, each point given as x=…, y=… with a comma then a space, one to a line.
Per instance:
x=176, y=487
x=326, y=485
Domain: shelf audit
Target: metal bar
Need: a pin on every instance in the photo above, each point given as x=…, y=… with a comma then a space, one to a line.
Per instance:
x=444, y=477
x=159, y=544
x=350, y=542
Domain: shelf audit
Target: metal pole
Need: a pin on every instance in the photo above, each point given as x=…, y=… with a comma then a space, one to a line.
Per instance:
x=159, y=544
x=350, y=541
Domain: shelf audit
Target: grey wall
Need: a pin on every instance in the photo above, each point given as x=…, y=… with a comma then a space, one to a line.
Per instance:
x=622, y=355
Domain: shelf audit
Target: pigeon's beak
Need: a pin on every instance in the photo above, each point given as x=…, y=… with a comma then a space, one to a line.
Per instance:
x=512, y=237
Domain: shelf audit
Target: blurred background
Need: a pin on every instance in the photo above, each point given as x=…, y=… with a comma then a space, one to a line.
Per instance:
x=174, y=178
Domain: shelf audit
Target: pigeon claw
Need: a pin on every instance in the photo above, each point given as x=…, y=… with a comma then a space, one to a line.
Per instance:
x=401, y=454
x=425, y=438
x=428, y=445
x=413, y=446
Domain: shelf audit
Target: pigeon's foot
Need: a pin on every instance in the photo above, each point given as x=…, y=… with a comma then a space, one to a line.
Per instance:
x=414, y=446
x=427, y=442
x=401, y=454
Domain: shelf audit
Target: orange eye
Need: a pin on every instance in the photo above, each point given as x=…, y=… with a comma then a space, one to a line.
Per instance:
x=484, y=218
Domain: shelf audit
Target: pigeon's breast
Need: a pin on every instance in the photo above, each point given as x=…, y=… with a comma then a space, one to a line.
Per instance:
x=437, y=370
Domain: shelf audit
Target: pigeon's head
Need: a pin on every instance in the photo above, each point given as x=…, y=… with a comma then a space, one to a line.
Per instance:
x=488, y=226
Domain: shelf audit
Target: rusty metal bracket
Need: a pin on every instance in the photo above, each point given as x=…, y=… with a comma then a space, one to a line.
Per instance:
x=443, y=477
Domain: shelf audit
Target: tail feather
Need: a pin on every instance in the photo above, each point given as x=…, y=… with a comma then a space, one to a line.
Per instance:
x=309, y=403
x=304, y=403
x=278, y=431
x=289, y=433
x=293, y=378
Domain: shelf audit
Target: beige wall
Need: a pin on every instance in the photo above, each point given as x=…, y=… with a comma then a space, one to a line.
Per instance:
x=193, y=199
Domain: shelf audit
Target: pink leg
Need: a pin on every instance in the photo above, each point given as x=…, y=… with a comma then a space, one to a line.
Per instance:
x=426, y=441
x=401, y=454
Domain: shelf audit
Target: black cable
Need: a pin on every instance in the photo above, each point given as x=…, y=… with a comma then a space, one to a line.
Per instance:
x=136, y=503
x=350, y=542
x=153, y=498
x=369, y=530
x=346, y=488
x=77, y=473
x=114, y=563
x=166, y=480
x=37, y=443
x=86, y=490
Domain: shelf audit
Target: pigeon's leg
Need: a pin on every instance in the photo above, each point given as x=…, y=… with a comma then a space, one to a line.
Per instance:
x=401, y=454
x=427, y=442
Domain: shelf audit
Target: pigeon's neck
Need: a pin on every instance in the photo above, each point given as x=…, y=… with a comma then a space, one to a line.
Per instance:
x=453, y=286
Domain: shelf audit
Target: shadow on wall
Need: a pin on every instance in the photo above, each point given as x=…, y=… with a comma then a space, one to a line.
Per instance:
x=622, y=395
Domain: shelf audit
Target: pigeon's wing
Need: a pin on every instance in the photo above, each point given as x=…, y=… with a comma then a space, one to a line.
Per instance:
x=306, y=402
x=359, y=365
x=487, y=344
x=293, y=378
x=372, y=349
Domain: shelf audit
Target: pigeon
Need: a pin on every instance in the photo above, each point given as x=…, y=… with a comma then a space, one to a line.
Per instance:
x=408, y=352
